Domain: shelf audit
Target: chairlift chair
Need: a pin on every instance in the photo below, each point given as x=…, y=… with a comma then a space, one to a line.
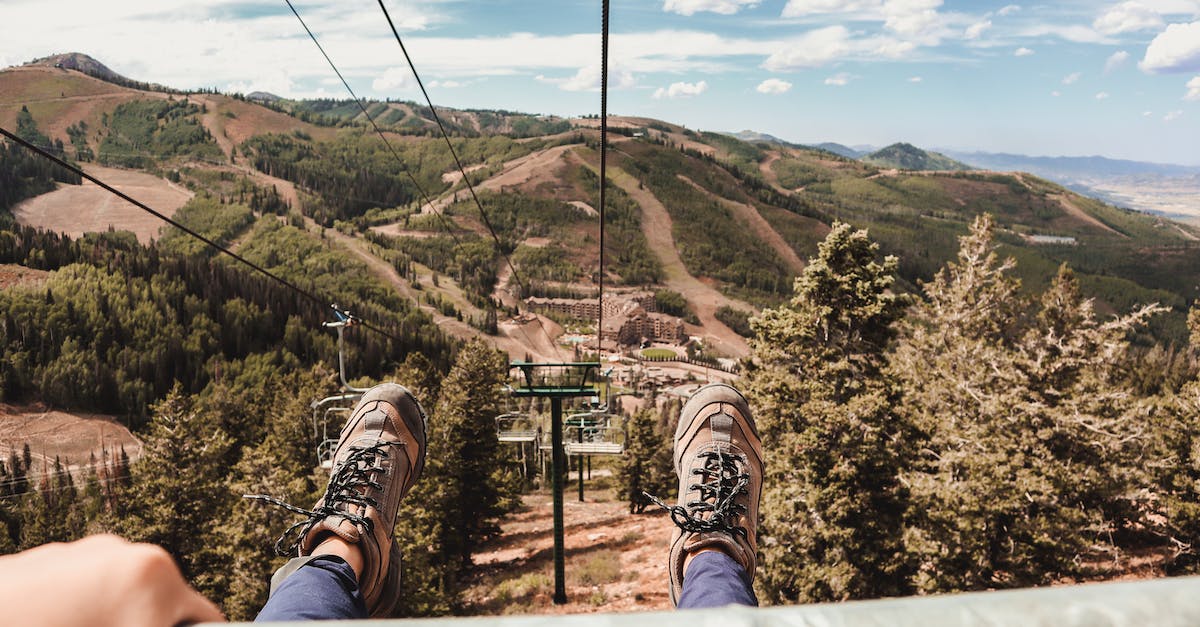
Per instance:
x=331, y=412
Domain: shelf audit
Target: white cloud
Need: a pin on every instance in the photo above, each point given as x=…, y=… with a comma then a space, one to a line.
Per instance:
x=773, y=86
x=804, y=8
x=812, y=49
x=1193, y=87
x=446, y=84
x=1008, y=10
x=839, y=80
x=681, y=90
x=1173, y=115
x=1056, y=93
x=1023, y=52
x=588, y=79
x=975, y=30
x=915, y=79
x=1102, y=96
x=1128, y=17
x=1176, y=49
x=394, y=79
x=691, y=7
x=1116, y=60
x=1074, y=33
x=1071, y=78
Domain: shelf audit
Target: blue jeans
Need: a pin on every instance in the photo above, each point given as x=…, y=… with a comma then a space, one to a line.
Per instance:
x=325, y=588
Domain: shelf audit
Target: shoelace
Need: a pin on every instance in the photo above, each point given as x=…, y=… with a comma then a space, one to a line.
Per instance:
x=723, y=483
x=346, y=487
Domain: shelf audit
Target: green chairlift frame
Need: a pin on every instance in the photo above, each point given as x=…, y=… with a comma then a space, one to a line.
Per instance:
x=556, y=381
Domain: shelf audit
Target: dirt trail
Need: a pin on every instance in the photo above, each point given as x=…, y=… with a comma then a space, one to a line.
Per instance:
x=758, y=225
x=89, y=208
x=516, y=340
x=704, y=299
x=516, y=569
x=766, y=167
x=1074, y=211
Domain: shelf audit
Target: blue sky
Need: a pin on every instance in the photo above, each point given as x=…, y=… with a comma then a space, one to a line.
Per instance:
x=1119, y=79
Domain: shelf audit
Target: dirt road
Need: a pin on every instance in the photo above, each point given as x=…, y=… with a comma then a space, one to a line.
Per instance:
x=704, y=299
x=762, y=229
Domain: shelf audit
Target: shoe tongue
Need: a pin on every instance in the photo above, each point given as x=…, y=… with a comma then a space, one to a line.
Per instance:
x=721, y=425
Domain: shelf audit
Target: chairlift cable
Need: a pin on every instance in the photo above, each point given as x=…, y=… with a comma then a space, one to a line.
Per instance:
x=371, y=119
x=466, y=179
x=267, y=273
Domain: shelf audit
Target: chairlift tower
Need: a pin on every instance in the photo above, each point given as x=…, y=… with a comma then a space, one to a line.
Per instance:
x=325, y=409
x=556, y=381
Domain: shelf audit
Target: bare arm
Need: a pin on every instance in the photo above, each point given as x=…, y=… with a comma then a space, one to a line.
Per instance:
x=100, y=580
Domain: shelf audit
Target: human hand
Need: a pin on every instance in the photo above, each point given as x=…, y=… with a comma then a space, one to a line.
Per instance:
x=99, y=580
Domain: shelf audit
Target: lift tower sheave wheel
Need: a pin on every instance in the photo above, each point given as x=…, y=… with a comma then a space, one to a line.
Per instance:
x=556, y=381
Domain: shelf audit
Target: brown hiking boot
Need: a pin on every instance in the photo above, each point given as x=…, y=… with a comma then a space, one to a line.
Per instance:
x=718, y=457
x=379, y=456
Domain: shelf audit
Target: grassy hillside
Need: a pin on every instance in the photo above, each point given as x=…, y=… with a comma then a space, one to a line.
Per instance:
x=346, y=176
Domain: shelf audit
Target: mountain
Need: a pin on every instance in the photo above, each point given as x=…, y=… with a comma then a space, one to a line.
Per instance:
x=1071, y=167
x=85, y=64
x=839, y=149
x=733, y=220
x=262, y=96
x=81, y=63
x=908, y=157
x=755, y=136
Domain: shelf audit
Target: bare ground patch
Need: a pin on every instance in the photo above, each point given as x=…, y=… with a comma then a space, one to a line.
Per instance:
x=88, y=208
x=13, y=275
x=615, y=561
x=66, y=435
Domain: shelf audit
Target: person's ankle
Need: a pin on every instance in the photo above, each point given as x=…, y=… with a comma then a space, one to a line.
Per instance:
x=687, y=560
x=332, y=544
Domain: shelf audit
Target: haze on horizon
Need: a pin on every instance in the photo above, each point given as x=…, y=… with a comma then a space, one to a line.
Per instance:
x=1118, y=79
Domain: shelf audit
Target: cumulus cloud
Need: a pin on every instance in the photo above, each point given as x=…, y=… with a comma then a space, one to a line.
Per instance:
x=394, y=79
x=839, y=80
x=1176, y=49
x=803, y=8
x=812, y=49
x=691, y=7
x=975, y=30
x=1127, y=17
x=1074, y=33
x=1102, y=96
x=1023, y=52
x=1008, y=10
x=773, y=86
x=681, y=90
x=588, y=79
x=1071, y=78
x=1118, y=59
x=1172, y=115
x=1193, y=87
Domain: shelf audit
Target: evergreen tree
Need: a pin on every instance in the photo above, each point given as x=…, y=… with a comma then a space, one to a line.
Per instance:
x=455, y=505
x=1031, y=441
x=646, y=466
x=833, y=506
x=177, y=489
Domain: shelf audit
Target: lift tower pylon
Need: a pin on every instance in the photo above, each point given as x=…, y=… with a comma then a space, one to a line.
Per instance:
x=556, y=381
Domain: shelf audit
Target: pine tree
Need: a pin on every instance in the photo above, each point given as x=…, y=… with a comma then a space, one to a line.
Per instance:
x=455, y=505
x=1030, y=436
x=177, y=488
x=646, y=466
x=833, y=506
